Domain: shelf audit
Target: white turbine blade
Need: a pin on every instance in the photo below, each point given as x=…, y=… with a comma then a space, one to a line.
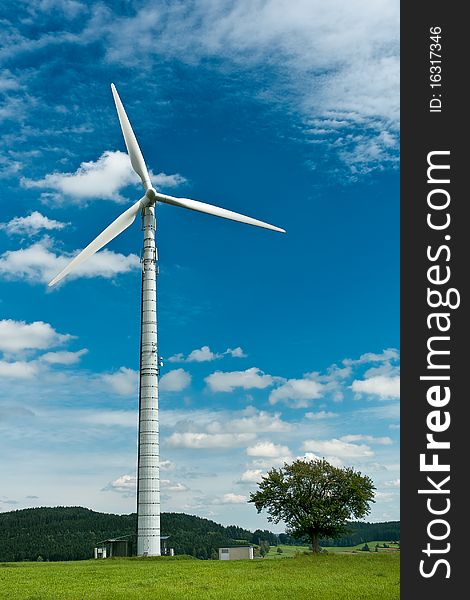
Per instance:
x=214, y=210
x=135, y=154
x=116, y=227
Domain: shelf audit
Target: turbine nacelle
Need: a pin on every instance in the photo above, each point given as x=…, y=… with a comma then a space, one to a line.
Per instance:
x=150, y=196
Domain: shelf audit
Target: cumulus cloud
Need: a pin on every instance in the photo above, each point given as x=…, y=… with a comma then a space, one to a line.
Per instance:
x=221, y=381
x=251, y=476
x=63, y=357
x=39, y=263
x=297, y=393
x=125, y=485
x=380, y=385
x=18, y=369
x=209, y=440
x=175, y=381
x=124, y=382
x=103, y=179
x=252, y=421
x=338, y=448
x=31, y=225
x=205, y=354
x=268, y=450
x=333, y=460
x=236, y=352
x=202, y=355
x=16, y=336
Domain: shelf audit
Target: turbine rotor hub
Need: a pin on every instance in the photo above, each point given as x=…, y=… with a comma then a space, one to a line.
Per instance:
x=151, y=196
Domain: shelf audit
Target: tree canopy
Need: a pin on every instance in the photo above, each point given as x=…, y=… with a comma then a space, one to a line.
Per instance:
x=314, y=498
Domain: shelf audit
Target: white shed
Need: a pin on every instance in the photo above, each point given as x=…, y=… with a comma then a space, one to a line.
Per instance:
x=236, y=553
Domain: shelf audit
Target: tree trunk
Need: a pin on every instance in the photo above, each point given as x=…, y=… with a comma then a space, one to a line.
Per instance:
x=315, y=542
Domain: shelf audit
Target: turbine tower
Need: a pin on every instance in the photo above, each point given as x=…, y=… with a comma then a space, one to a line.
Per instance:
x=148, y=470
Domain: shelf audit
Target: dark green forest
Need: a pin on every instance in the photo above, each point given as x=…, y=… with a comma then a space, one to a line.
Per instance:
x=71, y=533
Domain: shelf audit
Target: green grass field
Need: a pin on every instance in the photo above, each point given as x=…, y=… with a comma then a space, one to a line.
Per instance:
x=291, y=551
x=367, y=575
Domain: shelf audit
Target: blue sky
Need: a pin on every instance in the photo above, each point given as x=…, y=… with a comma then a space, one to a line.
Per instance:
x=275, y=346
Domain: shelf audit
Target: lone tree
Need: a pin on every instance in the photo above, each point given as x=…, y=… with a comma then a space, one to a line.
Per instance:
x=314, y=498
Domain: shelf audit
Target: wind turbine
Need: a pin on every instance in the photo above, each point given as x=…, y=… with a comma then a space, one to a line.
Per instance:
x=148, y=471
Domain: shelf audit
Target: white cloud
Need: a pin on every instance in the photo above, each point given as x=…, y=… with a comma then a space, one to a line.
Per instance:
x=125, y=484
x=18, y=370
x=393, y=483
x=170, y=486
x=103, y=179
x=175, y=381
x=179, y=357
x=231, y=498
x=320, y=415
x=386, y=368
x=8, y=168
x=202, y=355
x=380, y=385
x=334, y=63
x=63, y=357
x=268, y=450
x=338, y=448
x=38, y=263
x=16, y=336
x=208, y=440
x=8, y=81
x=370, y=357
x=205, y=354
x=236, y=352
x=167, y=465
x=297, y=392
x=252, y=421
x=124, y=382
x=382, y=441
x=333, y=460
x=385, y=496
x=270, y=462
x=251, y=476
x=362, y=153
x=227, y=381
x=31, y=225
x=67, y=8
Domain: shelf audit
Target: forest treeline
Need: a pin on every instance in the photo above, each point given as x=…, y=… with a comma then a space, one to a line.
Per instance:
x=71, y=533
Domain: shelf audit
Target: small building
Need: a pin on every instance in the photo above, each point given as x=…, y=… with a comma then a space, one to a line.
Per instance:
x=123, y=546
x=236, y=553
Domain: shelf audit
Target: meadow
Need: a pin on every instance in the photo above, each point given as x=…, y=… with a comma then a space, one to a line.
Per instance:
x=365, y=575
x=292, y=551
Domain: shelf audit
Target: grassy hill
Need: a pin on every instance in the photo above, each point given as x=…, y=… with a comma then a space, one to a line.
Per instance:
x=71, y=533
